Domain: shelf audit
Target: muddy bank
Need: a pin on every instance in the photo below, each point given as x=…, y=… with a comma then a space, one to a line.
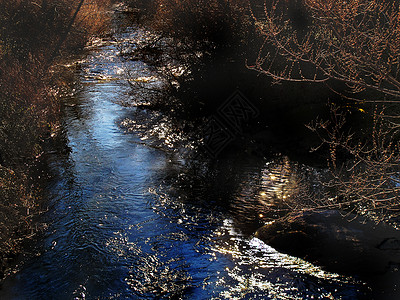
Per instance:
x=342, y=243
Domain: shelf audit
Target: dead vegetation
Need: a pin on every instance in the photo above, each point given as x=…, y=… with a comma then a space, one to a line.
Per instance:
x=353, y=48
x=33, y=35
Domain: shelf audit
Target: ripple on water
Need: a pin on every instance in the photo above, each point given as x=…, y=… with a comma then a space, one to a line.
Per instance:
x=131, y=218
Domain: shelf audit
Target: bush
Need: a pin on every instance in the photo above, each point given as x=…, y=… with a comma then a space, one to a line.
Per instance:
x=351, y=47
x=28, y=112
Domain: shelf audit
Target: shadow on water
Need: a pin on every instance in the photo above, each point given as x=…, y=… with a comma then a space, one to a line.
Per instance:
x=130, y=220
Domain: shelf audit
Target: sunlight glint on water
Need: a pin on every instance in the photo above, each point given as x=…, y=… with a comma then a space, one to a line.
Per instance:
x=131, y=219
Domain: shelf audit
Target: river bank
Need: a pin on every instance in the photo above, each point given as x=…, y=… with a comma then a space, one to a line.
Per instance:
x=33, y=39
x=134, y=212
x=130, y=219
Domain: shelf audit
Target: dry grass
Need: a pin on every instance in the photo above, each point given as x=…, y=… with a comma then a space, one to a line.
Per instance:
x=35, y=28
x=15, y=214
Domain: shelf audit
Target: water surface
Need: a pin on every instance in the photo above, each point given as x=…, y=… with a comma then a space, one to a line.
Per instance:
x=130, y=220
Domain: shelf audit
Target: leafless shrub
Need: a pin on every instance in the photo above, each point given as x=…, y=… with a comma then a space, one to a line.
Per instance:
x=353, y=47
x=365, y=174
x=356, y=42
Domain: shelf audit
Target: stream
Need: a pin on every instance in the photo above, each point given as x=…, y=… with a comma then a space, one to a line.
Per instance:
x=129, y=220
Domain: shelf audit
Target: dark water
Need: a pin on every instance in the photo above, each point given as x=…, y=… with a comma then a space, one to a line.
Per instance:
x=128, y=220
